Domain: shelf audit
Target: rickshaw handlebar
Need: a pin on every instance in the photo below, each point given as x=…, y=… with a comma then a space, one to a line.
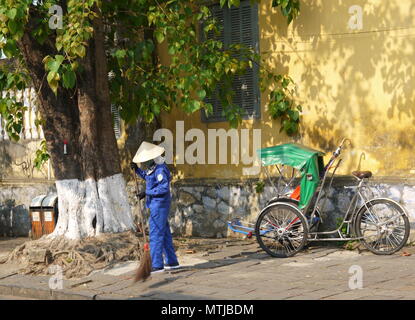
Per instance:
x=339, y=148
x=336, y=153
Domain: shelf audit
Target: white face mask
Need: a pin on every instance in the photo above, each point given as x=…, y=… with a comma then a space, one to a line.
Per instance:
x=159, y=160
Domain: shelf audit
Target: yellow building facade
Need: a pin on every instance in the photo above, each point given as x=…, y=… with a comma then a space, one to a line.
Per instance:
x=353, y=65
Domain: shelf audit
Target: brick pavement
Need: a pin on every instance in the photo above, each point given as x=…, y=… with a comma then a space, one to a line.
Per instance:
x=239, y=272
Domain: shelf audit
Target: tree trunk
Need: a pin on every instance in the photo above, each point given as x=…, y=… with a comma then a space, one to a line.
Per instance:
x=91, y=190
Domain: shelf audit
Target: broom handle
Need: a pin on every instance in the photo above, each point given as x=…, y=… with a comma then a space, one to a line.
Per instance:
x=140, y=207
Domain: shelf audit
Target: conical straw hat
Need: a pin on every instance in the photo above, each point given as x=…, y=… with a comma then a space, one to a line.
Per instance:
x=147, y=151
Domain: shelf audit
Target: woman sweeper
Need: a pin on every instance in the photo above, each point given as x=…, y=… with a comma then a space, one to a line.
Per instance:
x=157, y=177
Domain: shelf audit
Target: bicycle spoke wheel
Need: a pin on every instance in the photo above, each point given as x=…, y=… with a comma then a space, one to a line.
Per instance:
x=281, y=230
x=383, y=226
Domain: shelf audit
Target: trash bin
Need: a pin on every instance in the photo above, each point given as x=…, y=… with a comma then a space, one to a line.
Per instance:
x=50, y=213
x=36, y=216
x=43, y=214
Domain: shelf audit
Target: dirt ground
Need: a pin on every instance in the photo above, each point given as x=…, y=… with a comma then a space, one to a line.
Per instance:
x=8, y=244
x=80, y=259
x=199, y=245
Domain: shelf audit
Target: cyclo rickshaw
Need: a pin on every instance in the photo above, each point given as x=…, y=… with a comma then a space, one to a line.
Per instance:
x=291, y=219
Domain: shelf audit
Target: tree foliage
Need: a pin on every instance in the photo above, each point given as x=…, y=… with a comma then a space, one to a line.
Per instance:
x=289, y=8
x=136, y=31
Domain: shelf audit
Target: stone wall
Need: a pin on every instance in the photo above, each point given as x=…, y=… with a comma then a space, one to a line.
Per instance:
x=203, y=207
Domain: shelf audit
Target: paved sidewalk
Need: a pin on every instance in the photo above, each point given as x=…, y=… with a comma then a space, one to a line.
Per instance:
x=237, y=269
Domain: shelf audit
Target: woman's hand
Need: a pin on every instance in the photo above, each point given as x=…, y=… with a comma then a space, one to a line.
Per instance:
x=133, y=166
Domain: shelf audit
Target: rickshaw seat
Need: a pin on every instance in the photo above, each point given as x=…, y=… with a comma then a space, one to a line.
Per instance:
x=296, y=194
x=362, y=174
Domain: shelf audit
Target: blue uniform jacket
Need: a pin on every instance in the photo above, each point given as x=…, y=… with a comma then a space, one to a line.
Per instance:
x=157, y=184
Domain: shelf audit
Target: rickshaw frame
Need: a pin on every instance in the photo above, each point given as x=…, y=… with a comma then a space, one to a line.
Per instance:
x=349, y=217
x=305, y=216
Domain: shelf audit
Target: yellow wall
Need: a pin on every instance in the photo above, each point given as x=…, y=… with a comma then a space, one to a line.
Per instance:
x=357, y=84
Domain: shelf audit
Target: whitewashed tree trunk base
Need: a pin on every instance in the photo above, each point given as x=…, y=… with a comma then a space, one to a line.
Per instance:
x=81, y=201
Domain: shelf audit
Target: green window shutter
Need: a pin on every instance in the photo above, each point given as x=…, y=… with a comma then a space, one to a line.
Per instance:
x=244, y=29
x=219, y=15
x=240, y=25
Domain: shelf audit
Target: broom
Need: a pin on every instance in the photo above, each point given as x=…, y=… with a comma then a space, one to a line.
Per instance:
x=144, y=269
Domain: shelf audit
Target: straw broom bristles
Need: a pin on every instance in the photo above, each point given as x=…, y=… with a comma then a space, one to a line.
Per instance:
x=144, y=270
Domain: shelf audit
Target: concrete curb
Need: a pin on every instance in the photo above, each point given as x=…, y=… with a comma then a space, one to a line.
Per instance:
x=44, y=294
x=16, y=290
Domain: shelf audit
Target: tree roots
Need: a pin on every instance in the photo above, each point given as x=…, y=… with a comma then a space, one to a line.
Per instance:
x=77, y=258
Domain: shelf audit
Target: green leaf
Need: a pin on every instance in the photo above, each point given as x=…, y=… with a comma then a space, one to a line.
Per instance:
x=51, y=76
x=13, y=26
x=42, y=155
x=259, y=187
x=194, y=105
x=69, y=79
x=14, y=136
x=10, y=49
x=11, y=13
x=295, y=115
x=59, y=58
x=10, y=80
x=159, y=36
x=282, y=106
x=188, y=11
x=236, y=3
x=17, y=127
x=202, y=94
x=208, y=108
x=285, y=83
x=80, y=51
x=53, y=66
x=172, y=50
x=120, y=54
x=54, y=86
x=53, y=80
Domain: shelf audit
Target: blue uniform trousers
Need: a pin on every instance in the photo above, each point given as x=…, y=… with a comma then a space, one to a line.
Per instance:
x=161, y=241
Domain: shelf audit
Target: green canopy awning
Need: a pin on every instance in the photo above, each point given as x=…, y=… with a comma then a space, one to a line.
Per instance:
x=307, y=160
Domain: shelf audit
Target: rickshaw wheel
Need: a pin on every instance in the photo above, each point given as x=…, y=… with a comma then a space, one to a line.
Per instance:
x=387, y=238
x=281, y=230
